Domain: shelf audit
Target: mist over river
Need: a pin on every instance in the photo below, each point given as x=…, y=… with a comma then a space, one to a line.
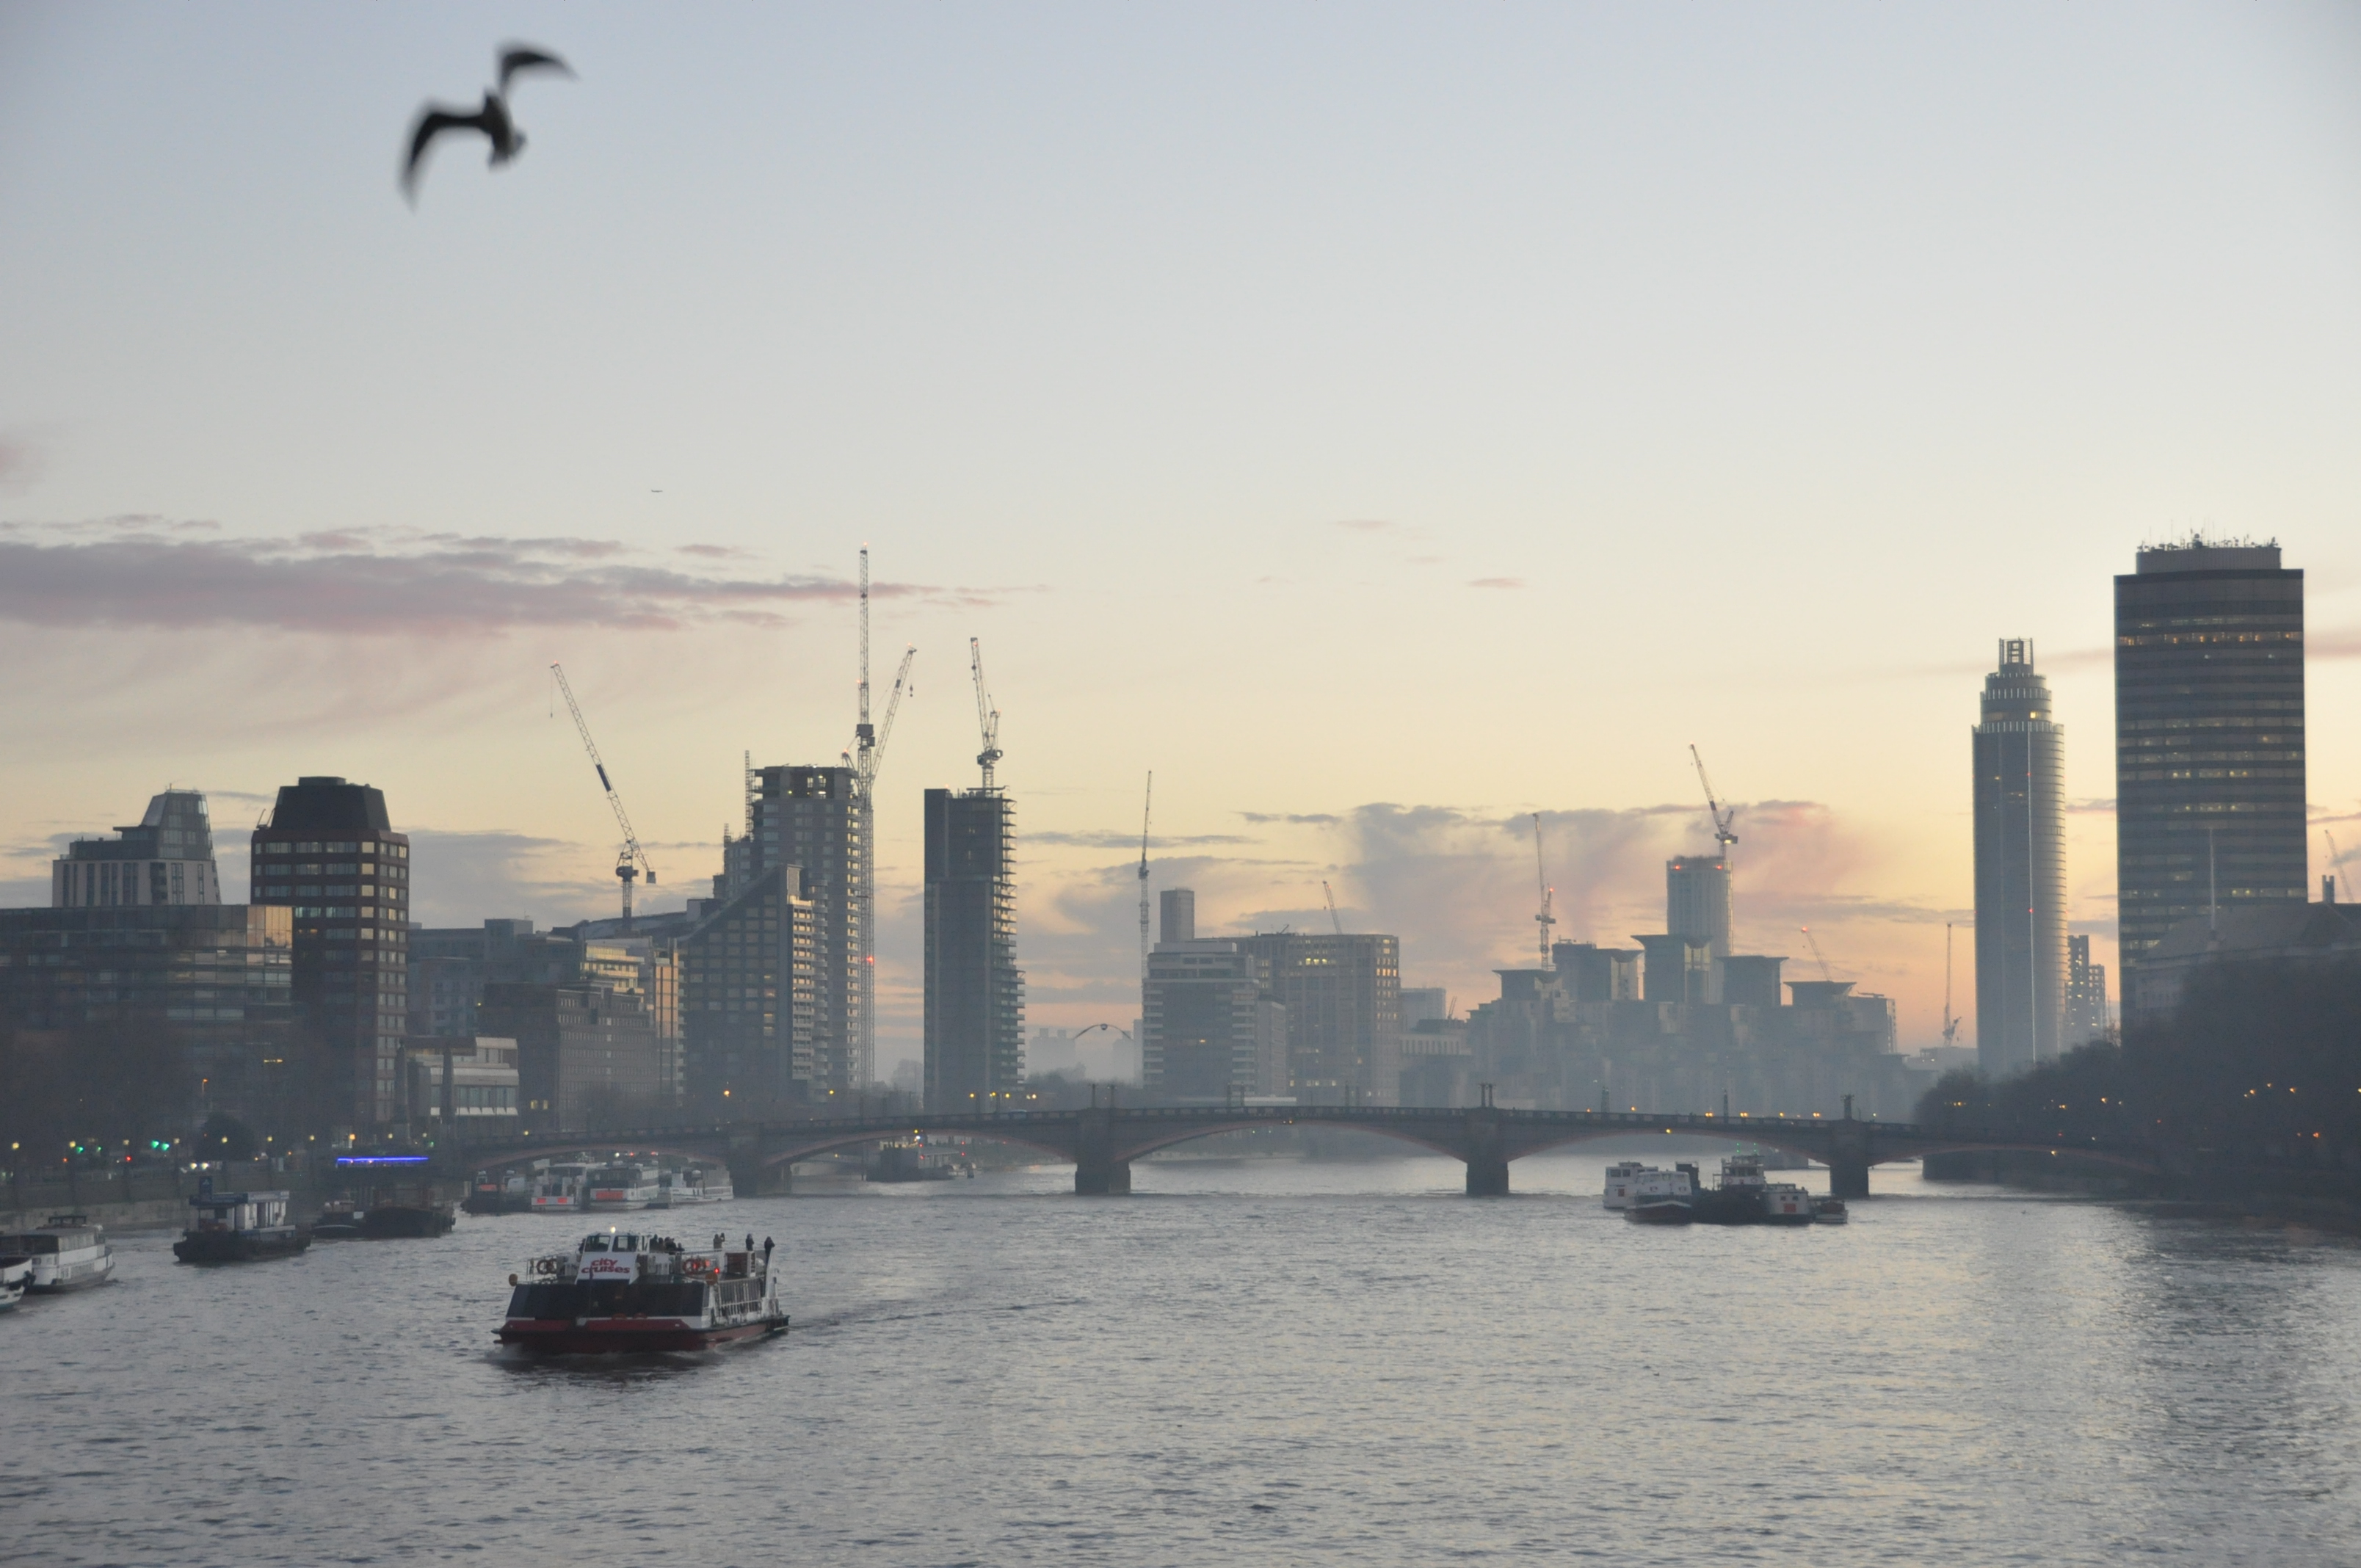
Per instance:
x=1247, y=1362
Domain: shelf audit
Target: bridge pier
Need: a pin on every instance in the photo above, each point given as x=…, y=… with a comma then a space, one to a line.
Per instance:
x=1098, y=1176
x=748, y=1177
x=1488, y=1176
x=1847, y=1178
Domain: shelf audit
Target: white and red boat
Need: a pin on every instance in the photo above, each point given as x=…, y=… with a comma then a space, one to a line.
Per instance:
x=627, y=1291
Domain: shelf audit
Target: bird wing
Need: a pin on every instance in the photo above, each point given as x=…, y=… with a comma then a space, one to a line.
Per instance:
x=432, y=121
x=523, y=57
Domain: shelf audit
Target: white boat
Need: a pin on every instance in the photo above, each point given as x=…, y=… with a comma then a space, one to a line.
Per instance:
x=1626, y=1180
x=1784, y=1203
x=67, y=1254
x=628, y=1291
x=682, y=1188
x=558, y=1189
x=13, y=1276
x=616, y=1187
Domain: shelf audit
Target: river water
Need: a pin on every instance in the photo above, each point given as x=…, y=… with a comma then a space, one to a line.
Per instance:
x=1258, y=1361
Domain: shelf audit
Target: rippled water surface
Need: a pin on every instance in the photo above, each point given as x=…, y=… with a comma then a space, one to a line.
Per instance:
x=1260, y=1361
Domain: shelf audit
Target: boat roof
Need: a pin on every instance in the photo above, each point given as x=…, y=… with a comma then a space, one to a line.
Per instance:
x=226, y=1200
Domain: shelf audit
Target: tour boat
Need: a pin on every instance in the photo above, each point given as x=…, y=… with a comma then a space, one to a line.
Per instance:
x=559, y=1190
x=617, y=1187
x=14, y=1274
x=240, y=1227
x=68, y=1253
x=632, y=1291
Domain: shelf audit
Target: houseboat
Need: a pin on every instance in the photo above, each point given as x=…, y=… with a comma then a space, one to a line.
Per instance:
x=68, y=1253
x=240, y=1227
x=625, y=1290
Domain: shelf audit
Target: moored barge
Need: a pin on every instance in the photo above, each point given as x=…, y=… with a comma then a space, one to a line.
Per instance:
x=240, y=1227
x=621, y=1291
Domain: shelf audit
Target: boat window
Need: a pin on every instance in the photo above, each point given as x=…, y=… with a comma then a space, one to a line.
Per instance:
x=627, y=1242
x=594, y=1243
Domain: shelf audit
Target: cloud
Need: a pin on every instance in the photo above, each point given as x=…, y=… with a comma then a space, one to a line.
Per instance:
x=1496, y=581
x=1315, y=818
x=1116, y=839
x=145, y=571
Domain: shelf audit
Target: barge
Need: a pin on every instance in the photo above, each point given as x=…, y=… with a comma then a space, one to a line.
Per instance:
x=240, y=1227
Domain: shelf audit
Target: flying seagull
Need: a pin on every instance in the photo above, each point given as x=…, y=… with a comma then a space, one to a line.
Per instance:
x=492, y=119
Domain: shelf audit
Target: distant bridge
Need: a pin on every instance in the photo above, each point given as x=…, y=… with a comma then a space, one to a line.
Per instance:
x=1102, y=1142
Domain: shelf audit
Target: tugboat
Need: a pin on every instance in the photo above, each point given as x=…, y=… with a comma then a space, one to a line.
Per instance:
x=240, y=1227
x=67, y=1253
x=630, y=1291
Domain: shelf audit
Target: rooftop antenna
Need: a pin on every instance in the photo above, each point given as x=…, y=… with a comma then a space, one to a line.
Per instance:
x=1546, y=918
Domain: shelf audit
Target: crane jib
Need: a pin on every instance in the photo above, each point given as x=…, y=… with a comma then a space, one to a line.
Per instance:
x=602, y=777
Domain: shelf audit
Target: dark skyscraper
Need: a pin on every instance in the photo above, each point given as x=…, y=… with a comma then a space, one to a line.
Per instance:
x=2209, y=738
x=975, y=994
x=330, y=852
x=810, y=817
x=2020, y=824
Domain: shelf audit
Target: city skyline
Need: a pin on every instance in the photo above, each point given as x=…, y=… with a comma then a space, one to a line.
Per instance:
x=1629, y=382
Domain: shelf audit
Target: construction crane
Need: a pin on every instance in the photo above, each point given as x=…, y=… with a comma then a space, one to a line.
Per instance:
x=1722, y=815
x=865, y=759
x=1547, y=917
x=1330, y=894
x=1146, y=810
x=1950, y=1024
x=2328, y=883
x=987, y=717
x=630, y=861
x=1814, y=943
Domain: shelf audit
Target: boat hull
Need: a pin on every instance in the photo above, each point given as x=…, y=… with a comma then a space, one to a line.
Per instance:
x=230, y=1247
x=81, y=1275
x=399, y=1223
x=625, y=1337
x=1661, y=1212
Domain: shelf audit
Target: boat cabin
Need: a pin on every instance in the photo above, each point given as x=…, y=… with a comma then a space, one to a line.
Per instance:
x=239, y=1212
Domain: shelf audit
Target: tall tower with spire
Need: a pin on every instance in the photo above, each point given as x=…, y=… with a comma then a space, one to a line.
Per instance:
x=2020, y=825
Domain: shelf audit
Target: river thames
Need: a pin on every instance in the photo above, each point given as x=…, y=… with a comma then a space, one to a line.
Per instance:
x=1251, y=1361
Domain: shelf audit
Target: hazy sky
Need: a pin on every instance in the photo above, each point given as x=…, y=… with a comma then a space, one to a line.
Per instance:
x=1381, y=422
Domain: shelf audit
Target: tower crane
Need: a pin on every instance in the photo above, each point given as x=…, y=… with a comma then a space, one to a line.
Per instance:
x=987, y=717
x=1814, y=943
x=1330, y=894
x=1146, y=810
x=865, y=759
x=1722, y=815
x=1950, y=1024
x=1547, y=917
x=630, y=861
x=2328, y=883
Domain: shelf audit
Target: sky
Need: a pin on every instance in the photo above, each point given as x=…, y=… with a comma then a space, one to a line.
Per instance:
x=1382, y=423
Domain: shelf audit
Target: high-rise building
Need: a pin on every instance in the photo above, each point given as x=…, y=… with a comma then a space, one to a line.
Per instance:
x=1420, y=1002
x=2209, y=739
x=167, y=857
x=585, y=1056
x=1176, y=915
x=1343, y=996
x=811, y=818
x=2086, y=995
x=748, y=989
x=975, y=992
x=2020, y=834
x=329, y=852
x=1696, y=900
x=1213, y=1029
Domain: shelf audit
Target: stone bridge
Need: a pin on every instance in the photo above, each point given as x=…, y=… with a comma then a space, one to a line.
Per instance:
x=1100, y=1142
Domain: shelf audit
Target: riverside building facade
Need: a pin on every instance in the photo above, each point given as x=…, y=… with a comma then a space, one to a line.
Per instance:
x=2020, y=837
x=328, y=854
x=2208, y=741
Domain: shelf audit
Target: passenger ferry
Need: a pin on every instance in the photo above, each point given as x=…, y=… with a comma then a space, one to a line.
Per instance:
x=68, y=1253
x=1624, y=1178
x=632, y=1291
x=681, y=1188
x=558, y=1189
x=615, y=1186
x=240, y=1227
